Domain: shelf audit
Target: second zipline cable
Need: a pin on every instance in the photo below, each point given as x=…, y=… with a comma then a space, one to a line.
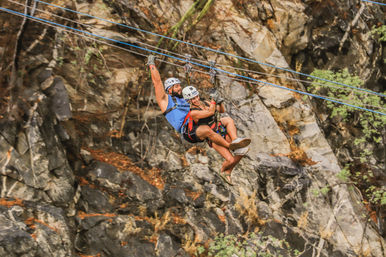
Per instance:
x=212, y=50
x=174, y=64
x=198, y=64
x=355, y=90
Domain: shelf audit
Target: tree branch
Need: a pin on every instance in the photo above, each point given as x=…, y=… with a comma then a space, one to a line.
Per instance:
x=354, y=21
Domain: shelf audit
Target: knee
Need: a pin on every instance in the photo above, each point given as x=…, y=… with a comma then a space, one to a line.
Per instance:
x=230, y=159
x=227, y=120
x=204, y=130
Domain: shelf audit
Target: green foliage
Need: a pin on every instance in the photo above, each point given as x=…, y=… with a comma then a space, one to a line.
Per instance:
x=325, y=190
x=370, y=125
x=376, y=195
x=60, y=61
x=88, y=55
x=335, y=90
x=380, y=31
x=200, y=249
x=315, y=192
x=344, y=174
x=253, y=246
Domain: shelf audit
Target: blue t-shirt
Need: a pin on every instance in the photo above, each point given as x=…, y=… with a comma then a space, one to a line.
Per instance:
x=177, y=116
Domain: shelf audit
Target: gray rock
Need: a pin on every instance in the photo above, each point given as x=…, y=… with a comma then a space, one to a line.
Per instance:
x=44, y=75
x=94, y=200
x=8, y=131
x=125, y=215
x=283, y=165
x=141, y=190
x=104, y=171
x=202, y=172
x=165, y=246
x=177, y=194
x=31, y=229
x=60, y=103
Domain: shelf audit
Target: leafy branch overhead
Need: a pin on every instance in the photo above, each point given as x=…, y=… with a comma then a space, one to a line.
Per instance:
x=200, y=5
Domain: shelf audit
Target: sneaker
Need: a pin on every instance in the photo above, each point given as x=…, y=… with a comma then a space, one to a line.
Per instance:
x=241, y=151
x=239, y=143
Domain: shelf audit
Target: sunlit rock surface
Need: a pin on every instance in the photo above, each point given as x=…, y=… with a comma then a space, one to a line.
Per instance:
x=90, y=167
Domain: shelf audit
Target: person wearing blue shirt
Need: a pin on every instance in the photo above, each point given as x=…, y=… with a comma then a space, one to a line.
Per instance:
x=176, y=109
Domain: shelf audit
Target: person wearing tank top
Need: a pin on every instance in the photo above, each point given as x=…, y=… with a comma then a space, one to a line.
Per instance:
x=203, y=112
x=169, y=99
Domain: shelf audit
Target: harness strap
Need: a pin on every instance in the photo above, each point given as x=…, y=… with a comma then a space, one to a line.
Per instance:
x=186, y=118
x=169, y=110
x=173, y=108
x=190, y=124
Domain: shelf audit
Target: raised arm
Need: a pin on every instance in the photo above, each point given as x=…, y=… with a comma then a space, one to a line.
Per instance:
x=220, y=107
x=219, y=100
x=160, y=95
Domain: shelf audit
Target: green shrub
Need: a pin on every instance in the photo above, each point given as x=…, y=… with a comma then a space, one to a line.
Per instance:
x=371, y=126
x=255, y=245
x=380, y=31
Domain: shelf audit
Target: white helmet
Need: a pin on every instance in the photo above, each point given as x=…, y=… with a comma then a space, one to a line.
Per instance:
x=189, y=92
x=171, y=82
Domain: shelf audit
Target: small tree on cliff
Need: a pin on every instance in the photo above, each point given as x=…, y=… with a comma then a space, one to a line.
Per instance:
x=367, y=128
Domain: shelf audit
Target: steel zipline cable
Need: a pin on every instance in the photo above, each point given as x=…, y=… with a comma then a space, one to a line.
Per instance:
x=355, y=90
x=201, y=65
x=373, y=2
x=205, y=61
x=210, y=49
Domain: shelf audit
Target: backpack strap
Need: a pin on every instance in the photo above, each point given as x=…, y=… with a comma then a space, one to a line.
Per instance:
x=171, y=109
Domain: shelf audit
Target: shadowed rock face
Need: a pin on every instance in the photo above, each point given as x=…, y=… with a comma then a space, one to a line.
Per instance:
x=89, y=166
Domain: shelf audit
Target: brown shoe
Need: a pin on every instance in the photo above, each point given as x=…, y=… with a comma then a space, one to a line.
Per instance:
x=226, y=177
x=239, y=143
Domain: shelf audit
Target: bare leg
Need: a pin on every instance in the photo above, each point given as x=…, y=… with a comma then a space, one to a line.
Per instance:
x=230, y=160
x=205, y=132
x=236, y=158
x=230, y=126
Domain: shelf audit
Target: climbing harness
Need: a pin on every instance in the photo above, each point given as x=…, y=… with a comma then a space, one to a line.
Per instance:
x=171, y=109
x=191, y=126
x=176, y=105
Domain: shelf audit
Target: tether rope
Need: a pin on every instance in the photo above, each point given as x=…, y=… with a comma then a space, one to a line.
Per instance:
x=212, y=50
x=152, y=51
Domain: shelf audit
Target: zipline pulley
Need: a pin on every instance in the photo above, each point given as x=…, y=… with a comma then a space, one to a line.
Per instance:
x=212, y=72
x=188, y=67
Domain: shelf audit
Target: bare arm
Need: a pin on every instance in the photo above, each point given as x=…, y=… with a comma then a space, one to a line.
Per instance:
x=200, y=114
x=220, y=108
x=160, y=95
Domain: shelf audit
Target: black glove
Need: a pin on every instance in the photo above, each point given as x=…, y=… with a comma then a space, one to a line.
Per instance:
x=219, y=99
x=216, y=96
x=150, y=60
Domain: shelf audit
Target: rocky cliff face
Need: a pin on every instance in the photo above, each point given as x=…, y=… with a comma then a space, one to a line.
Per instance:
x=89, y=166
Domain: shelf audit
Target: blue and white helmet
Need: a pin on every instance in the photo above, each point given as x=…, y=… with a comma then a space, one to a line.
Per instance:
x=171, y=82
x=189, y=92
